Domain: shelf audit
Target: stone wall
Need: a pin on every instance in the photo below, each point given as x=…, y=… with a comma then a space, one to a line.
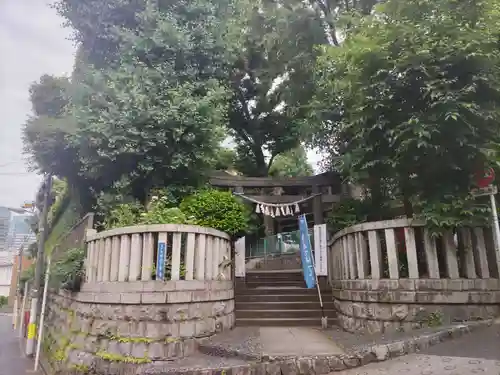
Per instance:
x=372, y=306
x=117, y=324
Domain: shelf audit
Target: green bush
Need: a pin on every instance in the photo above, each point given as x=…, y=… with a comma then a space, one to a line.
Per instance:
x=68, y=272
x=210, y=208
x=4, y=300
x=161, y=212
x=28, y=274
x=123, y=215
x=219, y=210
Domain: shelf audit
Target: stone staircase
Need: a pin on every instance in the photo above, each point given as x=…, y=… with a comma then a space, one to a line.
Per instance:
x=280, y=298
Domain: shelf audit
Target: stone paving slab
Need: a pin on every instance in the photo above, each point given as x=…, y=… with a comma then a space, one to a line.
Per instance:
x=419, y=364
x=243, y=342
x=255, y=343
x=296, y=341
x=357, y=352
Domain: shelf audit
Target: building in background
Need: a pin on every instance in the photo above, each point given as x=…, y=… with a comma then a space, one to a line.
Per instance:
x=6, y=267
x=26, y=262
x=20, y=233
x=5, y=216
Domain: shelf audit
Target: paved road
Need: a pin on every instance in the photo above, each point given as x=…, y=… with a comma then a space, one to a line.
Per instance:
x=478, y=353
x=11, y=360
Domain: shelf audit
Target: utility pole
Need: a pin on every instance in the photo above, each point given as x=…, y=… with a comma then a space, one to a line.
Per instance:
x=36, y=292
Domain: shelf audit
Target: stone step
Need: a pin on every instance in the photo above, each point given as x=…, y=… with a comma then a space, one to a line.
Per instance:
x=271, y=283
x=283, y=305
x=282, y=314
x=273, y=276
x=279, y=290
x=281, y=322
x=275, y=298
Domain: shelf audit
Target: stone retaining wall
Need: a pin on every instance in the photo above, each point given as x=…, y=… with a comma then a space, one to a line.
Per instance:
x=371, y=306
x=133, y=322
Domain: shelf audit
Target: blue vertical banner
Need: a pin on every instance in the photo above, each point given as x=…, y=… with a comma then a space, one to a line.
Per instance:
x=160, y=261
x=306, y=253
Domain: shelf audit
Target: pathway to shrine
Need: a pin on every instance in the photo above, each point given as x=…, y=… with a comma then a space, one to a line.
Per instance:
x=441, y=351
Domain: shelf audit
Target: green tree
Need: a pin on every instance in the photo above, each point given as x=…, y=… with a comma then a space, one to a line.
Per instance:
x=270, y=80
x=47, y=135
x=411, y=97
x=156, y=117
x=292, y=163
x=45, y=132
x=277, y=46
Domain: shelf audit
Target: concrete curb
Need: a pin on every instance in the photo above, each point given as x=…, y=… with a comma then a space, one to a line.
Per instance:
x=267, y=365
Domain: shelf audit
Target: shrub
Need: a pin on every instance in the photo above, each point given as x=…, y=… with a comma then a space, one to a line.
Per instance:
x=219, y=210
x=123, y=215
x=68, y=272
x=4, y=300
x=161, y=212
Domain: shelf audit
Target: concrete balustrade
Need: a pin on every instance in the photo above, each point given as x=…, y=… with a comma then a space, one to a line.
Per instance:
x=393, y=275
x=130, y=254
x=373, y=251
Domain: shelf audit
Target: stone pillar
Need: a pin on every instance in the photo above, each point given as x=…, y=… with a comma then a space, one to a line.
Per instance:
x=135, y=267
x=107, y=259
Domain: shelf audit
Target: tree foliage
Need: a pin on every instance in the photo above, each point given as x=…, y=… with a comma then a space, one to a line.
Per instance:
x=251, y=83
x=411, y=97
x=156, y=116
x=270, y=80
x=46, y=131
x=292, y=163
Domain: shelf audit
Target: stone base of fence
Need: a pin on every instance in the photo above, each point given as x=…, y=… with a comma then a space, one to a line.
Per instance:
x=372, y=306
x=134, y=322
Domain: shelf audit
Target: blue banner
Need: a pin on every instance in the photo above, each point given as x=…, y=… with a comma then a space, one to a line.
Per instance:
x=306, y=253
x=160, y=261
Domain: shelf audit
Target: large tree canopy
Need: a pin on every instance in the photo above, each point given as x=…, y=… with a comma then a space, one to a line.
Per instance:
x=408, y=104
x=156, y=116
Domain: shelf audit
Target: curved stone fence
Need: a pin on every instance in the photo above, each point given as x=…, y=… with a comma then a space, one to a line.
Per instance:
x=131, y=253
x=404, y=248
x=393, y=275
x=134, y=323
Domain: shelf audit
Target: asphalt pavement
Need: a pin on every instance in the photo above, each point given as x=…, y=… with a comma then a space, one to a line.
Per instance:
x=12, y=360
x=477, y=353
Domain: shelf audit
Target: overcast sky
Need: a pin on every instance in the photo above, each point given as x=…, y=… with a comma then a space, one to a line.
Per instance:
x=32, y=42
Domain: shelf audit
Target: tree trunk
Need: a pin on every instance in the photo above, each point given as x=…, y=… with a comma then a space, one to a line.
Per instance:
x=260, y=162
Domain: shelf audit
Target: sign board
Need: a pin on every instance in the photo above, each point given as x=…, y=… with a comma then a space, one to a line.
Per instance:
x=305, y=253
x=320, y=260
x=239, y=255
x=160, y=261
x=485, y=178
x=488, y=190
